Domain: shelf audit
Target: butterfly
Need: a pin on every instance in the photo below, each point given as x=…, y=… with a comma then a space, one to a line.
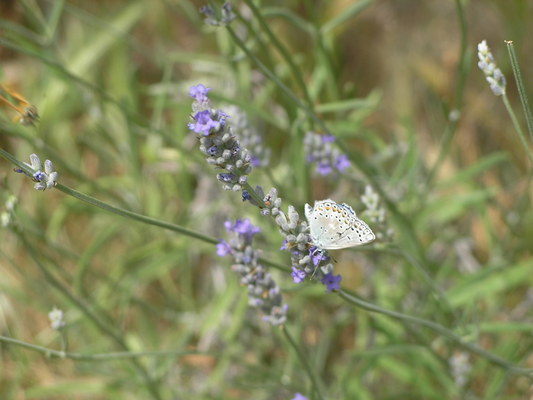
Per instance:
x=26, y=113
x=335, y=226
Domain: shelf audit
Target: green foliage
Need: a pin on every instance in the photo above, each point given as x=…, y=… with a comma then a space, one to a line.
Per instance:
x=124, y=245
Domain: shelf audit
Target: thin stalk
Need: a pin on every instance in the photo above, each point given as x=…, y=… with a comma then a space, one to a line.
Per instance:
x=312, y=376
x=253, y=194
x=462, y=67
x=494, y=359
x=520, y=86
x=275, y=79
x=139, y=217
x=51, y=353
x=100, y=324
x=283, y=51
x=517, y=127
x=134, y=216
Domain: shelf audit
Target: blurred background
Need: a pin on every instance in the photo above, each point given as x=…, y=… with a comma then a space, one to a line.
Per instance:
x=396, y=82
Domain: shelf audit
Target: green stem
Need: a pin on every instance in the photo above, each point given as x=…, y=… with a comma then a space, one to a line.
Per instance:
x=132, y=215
x=102, y=326
x=283, y=51
x=457, y=104
x=517, y=127
x=275, y=79
x=139, y=217
x=95, y=357
x=312, y=376
x=500, y=362
x=253, y=194
x=520, y=86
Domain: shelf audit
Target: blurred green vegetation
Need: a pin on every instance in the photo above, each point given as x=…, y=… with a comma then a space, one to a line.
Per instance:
x=110, y=80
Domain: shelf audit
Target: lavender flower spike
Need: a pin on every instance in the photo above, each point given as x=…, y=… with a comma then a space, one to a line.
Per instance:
x=321, y=151
x=249, y=137
x=218, y=142
x=45, y=180
x=220, y=17
x=492, y=73
x=263, y=292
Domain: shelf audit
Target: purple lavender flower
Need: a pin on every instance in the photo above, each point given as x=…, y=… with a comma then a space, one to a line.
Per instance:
x=327, y=138
x=341, y=163
x=199, y=93
x=212, y=151
x=299, y=396
x=255, y=162
x=331, y=281
x=298, y=275
x=227, y=178
x=263, y=292
x=317, y=256
x=323, y=168
x=218, y=142
x=249, y=137
x=39, y=176
x=245, y=228
x=320, y=150
x=223, y=248
x=204, y=123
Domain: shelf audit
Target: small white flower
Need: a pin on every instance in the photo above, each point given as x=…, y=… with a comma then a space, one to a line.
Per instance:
x=45, y=180
x=11, y=202
x=492, y=73
x=5, y=219
x=454, y=115
x=35, y=162
x=370, y=199
x=56, y=318
x=460, y=367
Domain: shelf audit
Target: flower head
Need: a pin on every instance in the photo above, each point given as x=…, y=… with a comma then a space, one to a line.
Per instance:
x=460, y=367
x=492, y=73
x=320, y=150
x=223, y=248
x=45, y=180
x=220, y=17
x=6, y=217
x=341, y=162
x=218, y=142
x=263, y=292
x=56, y=318
x=199, y=93
x=205, y=122
x=249, y=137
x=245, y=227
x=323, y=168
x=298, y=275
x=331, y=281
x=375, y=212
x=299, y=396
x=317, y=255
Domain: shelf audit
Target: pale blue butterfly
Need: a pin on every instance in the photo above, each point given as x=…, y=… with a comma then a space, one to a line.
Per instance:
x=335, y=226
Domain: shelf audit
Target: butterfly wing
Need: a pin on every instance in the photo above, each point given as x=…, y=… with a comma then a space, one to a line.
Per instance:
x=334, y=226
x=356, y=234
